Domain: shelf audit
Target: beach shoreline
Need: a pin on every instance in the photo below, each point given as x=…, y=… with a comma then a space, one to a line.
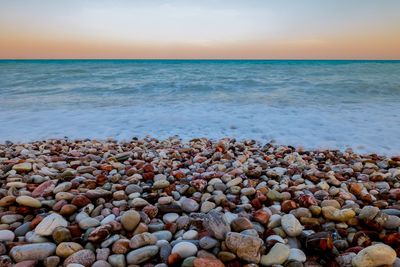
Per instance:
x=202, y=202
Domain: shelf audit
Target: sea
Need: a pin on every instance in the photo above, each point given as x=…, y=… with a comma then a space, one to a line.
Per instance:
x=314, y=104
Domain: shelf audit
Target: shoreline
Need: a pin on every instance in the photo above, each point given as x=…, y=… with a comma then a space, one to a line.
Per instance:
x=202, y=202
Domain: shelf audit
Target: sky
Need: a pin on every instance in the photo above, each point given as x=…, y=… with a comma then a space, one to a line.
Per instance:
x=206, y=29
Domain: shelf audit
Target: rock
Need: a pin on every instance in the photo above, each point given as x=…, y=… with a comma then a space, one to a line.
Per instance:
x=190, y=235
x=38, y=251
x=240, y=224
x=368, y=212
x=163, y=235
x=117, y=260
x=130, y=219
x=47, y=226
x=278, y=254
x=28, y=201
x=61, y=234
x=23, y=167
x=170, y=217
x=244, y=246
x=188, y=204
x=207, y=262
x=7, y=201
x=208, y=242
x=88, y=222
x=291, y=225
x=6, y=235
x=334, y=214
x=141, y=240
x=84, y=257
x=141, y=255
x=66, y=249
x=392, y=222
x=296, y=254
x=44, y=189
x=217, y=224
x=375, y=255
x=184, y=249
x=52, y=261
x=101, y=263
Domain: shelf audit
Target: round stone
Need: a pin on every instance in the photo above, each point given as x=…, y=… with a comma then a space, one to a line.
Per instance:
x=185, y=249
x=141, y=255
x=6, y=235
x=130, y=219
x=38, y=251
x=84, y=257
x=66, y=249
x=291, y=225
x=47, y=226
x=375, y=255
x=278, y=254
x=28, y=201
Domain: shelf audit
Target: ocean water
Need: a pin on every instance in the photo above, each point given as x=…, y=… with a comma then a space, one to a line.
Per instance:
x=313, y=104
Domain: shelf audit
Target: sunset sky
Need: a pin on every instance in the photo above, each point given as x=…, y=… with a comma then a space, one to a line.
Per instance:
x=279, y=29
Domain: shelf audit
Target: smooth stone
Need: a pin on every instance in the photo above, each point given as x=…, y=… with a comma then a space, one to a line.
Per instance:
x=23, y=167
x=296, y=255
x=141, y=255
x=208, y=242
x=368, y=213
x=392, y=222
x=130, y=219
x=52, y=261
x=61, y=234
x=63, y=187
x=32, y=237
x=108, y=219
x=188, y=204
x=88, y=222
x=170, y=217
x=47, y=226
x=244, y=246
x=38, y=251
x=291, y=225
x=163, y=235
x=191, y=234
x=184, y=249
x=142, y=240
x=23, y=229
x=217, y=224
x=278, y=254
x=84, y=257
x=206, y=206
x=6, y=235
x=117, y=260
x=28, y=201
x=101, y=263
x=375, y=255
x=66, y=249
x=334, y=214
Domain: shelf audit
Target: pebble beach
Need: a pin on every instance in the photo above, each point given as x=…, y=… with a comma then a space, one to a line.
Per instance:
x=150, y=202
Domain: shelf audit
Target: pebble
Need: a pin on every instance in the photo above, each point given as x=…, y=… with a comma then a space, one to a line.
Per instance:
x=184, y=249
x=244, y=246
x=130, y=219
x=6, y=235
x=141, y=255
x=47, y=226
x=65, y=249
x=83, y=257
x=278, y=254
x=38, y=251
x=291, y=225
x=28, y=201
x=375, y=255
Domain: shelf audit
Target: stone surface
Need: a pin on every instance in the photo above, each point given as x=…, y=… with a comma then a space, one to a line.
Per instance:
x=375, y=255
x=291, y=225
x=28, y=201
x=184, y=249
x=38, y=251
x=278, y=254
x=141, y=255
x=130, y=220
x=84, y=257
x=47, y=226
x=244, y=246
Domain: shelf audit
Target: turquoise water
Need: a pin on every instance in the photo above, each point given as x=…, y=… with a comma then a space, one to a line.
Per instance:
x=315, y=104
